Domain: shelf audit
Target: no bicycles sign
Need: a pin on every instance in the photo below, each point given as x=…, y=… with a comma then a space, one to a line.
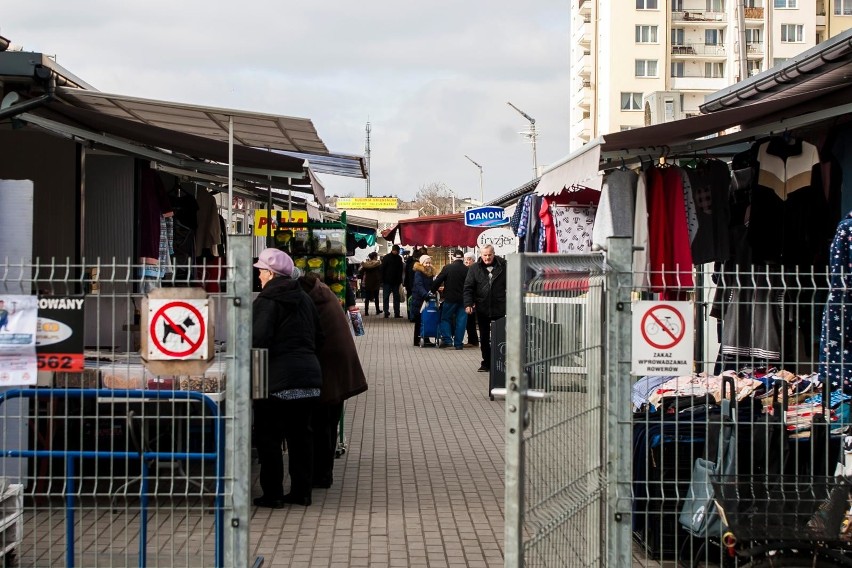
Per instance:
x=663, y=338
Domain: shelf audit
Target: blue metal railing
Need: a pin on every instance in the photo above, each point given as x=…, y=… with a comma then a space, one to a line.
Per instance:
x=71, y=456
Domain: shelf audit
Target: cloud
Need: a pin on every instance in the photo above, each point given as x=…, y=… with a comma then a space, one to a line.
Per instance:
x=432, y=78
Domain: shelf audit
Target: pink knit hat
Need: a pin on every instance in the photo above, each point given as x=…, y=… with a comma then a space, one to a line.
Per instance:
x=275, y=260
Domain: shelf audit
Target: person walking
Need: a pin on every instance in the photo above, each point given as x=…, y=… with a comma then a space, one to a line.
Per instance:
x=371, y=272
x=391, y=279
x=472, y=336
x=485, y=292
x=408, y=282
x=453, y=315
x=424, y=275
x=342, y=376
x=286, y=323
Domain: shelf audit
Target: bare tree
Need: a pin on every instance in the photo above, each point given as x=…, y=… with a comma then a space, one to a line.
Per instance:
x=434, y=198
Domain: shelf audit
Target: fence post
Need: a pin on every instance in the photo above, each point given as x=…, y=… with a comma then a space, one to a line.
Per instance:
x=515, y=410
x=238, y=400
x=619, y=457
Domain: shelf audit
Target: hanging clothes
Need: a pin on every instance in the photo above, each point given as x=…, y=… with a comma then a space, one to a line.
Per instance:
x=835, y=357
x=209, y=235
x=153, y=204
x=670, y=257
x=789, y=209
x=710, y=181
x=614, y=217
x=640, y=236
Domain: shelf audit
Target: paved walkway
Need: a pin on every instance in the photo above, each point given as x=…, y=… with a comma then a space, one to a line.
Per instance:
x=422, y=481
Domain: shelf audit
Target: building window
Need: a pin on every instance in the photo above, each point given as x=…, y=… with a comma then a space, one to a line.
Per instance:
x=792, y=33
x=754, y=67
x=714, y=70
x=677, y=36
x=646, y=67
x=631, y=101
x=785, y=3
x=677, y=5
x=646, y=34
x=778, y=61
x=646, y=4
x=677, y=69
x=624, y=127
x=715, y=5
x=752, y=35
x=713, y=37
x=843, y=7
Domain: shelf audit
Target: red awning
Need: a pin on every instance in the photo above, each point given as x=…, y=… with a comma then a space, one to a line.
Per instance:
x=436, y=231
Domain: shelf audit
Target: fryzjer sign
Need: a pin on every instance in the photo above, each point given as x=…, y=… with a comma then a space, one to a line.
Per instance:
x=662, y=338
x=503, y=240
x=487, y=216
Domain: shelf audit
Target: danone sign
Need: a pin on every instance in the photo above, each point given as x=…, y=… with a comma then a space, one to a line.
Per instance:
x=485, y=217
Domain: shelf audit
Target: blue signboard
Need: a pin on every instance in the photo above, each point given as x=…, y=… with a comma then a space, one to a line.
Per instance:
x=487, y=216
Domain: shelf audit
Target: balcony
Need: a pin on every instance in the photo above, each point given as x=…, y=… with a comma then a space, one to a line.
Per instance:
x=754, y=14
x=583, y=95
x=585, y=7
x=693, y=50
x=698, y=83
x=754, y=49
x=699, y=17
x=584, y=33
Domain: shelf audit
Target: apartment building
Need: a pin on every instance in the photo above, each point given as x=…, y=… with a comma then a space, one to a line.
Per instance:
x=639, y=62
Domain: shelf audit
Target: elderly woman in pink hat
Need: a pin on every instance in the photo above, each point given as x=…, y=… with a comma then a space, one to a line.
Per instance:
x=286, y=322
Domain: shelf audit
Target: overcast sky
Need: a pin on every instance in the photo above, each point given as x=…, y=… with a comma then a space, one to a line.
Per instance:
x=433, y=78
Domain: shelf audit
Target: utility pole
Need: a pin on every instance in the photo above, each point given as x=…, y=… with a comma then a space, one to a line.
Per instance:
x=531, y=135
x=481, y=194
x=742, y=52
x=367, y=156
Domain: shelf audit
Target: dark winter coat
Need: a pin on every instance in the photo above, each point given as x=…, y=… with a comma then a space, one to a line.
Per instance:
x=488, y=295
x=392, y=269
x=423, y=278
x=452, y=276
x=372, y=272
x=286, y=322
x=408, y=283
x=342, y=374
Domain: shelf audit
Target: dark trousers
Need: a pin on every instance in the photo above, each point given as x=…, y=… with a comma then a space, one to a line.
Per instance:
x=371, y=296
x=275, y=421
x=325, y=420
x=417, y=320
x=484, y=323
x=387, y=290
x=472, y=336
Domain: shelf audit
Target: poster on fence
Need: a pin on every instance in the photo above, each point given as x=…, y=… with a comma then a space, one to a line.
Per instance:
x=663, y=338
x=18, y=321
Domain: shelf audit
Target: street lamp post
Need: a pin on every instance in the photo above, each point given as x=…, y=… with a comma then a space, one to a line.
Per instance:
x=531, y=135
x=481, y=194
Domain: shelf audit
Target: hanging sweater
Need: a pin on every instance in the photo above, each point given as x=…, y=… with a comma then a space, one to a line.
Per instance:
x=788, y=211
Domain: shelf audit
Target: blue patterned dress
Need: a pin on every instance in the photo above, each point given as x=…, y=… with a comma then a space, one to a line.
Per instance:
x=835, y=360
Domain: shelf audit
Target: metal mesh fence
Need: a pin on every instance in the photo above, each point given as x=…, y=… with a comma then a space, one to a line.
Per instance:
x=737, y=461
x=557, y=320
x=117, y=466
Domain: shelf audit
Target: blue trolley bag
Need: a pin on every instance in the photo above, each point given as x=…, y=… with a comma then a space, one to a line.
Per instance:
x=429, y=318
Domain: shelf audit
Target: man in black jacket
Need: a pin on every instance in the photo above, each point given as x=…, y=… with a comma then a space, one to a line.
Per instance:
x=391, y=279
x=485, y=294
x=453, y=315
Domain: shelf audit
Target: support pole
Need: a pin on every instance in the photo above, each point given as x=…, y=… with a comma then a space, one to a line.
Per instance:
x=230, y=174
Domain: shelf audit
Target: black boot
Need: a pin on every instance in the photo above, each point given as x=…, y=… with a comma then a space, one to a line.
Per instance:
x=417, y=342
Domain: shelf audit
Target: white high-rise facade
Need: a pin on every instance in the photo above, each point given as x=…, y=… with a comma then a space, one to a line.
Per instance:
x=638, y=62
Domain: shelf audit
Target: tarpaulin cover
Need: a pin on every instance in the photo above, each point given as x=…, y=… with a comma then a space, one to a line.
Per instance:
x=436, y=231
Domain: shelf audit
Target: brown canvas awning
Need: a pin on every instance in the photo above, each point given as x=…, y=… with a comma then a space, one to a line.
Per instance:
x=436, y=231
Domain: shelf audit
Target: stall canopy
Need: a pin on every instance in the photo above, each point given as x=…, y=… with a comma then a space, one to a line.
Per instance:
x=436, y=230
x=270, y=152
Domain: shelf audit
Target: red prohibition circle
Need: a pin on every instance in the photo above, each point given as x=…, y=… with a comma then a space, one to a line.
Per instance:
x=666, y=332
x=193, y=347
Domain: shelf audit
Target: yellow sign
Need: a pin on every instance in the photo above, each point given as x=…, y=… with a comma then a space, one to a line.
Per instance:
x=367, y=203
x=262, y=220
